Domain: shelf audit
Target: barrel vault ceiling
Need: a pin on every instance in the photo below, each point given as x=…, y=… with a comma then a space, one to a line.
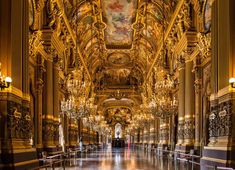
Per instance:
x=118, y=40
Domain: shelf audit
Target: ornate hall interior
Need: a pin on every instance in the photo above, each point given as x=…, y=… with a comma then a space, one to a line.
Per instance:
x=117, y=80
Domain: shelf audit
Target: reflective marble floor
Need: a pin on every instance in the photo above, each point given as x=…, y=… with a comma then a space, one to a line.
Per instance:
x=124, y=159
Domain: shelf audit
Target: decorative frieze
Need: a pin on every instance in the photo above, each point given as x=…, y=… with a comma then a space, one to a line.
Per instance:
x=189, y=128
x=35, y=44
x=204, y=45
x=48, y=130
x=220, y=120
x=19, y=124
x=180, y=130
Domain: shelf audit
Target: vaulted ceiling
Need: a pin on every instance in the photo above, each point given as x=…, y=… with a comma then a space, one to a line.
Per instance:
x=118, y=40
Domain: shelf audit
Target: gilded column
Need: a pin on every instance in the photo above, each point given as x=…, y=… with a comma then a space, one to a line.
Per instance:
x=189, y=106
x=73, y=133
x=198, y=105
x=141, y=137
x=56, y=103
x=145, y=135
x=181, y=111
x=164, y=132
x=157, y=130
x=48, y=119
x=66, y=132
x=152, y=132
x=38, y=101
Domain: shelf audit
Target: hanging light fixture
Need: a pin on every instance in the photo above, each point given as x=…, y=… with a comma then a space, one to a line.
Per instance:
x=164, y=103
x=74, y=106
x=76, y=83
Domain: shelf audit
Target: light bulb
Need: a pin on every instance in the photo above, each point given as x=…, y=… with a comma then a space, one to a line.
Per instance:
x=232, y=80
x=8, y=79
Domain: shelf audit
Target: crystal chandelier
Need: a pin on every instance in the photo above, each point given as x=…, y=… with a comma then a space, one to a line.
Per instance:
x=141, y=118
x=164, y=103
x=75, y=107
x=167, y=106
x=166, y=83
x=75, y=84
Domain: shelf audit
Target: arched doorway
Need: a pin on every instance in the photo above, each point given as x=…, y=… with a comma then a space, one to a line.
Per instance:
x=118, y=141
x=118, y=130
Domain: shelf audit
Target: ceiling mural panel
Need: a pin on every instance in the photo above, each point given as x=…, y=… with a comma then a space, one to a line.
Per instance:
x=118, y=59
x=119, y=16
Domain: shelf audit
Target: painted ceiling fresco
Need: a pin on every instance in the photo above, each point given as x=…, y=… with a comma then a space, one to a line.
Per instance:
x=119, y=16
x=118, y=59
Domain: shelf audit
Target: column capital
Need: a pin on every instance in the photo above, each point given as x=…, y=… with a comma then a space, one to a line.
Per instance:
x=181, y=63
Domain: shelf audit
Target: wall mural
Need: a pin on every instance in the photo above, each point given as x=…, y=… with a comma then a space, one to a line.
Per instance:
x=119, y=16
x=117, y=77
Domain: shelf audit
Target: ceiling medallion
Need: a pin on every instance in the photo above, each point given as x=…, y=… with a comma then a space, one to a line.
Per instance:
x=118, y=59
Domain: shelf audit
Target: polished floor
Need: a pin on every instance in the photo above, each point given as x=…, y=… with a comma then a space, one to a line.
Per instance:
x=124, y=159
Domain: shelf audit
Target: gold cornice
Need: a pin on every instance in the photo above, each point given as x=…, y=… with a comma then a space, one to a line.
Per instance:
x=181, y=45
x=17, y=92
x=57, y=44
x=169, y=28
x=194, y=55
x=43, y=53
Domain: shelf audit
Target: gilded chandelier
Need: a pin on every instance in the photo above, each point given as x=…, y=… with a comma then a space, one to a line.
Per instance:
x=75, y=83
x=164, y=103
x=75, y=108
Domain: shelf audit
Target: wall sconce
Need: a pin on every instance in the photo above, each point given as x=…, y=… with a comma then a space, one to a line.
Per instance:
x=5, y=82
x=232, y=82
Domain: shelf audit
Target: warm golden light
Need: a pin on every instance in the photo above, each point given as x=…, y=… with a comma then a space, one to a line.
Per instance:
x=8, y=79
x=4, y=81
x=232, y=82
